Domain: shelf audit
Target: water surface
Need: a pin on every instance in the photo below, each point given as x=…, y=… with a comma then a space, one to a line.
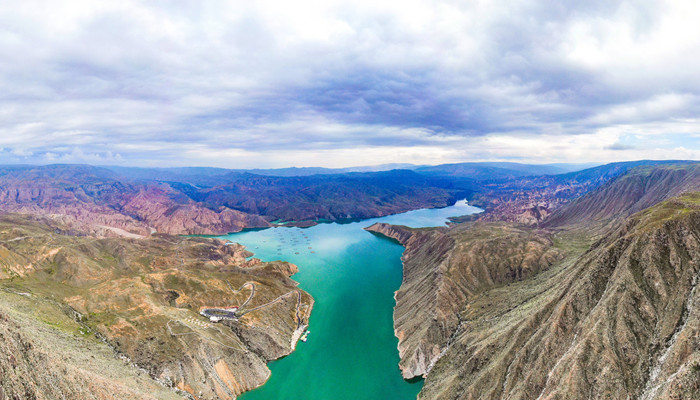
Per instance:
x=352, y=274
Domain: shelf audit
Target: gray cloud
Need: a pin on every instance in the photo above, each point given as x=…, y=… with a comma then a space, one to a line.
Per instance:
x=620, y=146
x=258, y=83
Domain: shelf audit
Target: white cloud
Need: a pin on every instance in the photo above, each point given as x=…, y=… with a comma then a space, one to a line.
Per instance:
x=355, y=82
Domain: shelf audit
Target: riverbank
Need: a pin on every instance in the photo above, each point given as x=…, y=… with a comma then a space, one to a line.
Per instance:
x=353, y=275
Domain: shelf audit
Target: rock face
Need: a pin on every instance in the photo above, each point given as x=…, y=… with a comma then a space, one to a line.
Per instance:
x=444, y=269
x=142, y=297
x=502, y=311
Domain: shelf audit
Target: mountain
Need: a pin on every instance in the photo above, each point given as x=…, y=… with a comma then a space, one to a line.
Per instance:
x=490, y=170
x=598, y=302
x=640, y=188
x=445, y=268
x=208, y=176
x=329, y=197
x=64, y=298
x=571, y=286
x=100, y=201
x=475, y=170
x=197, y=176
x=104, y=202
x=138, y=201
x=308, y=171
x=531, y=199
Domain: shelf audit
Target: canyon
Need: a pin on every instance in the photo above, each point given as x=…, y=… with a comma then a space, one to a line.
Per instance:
x=569, y=285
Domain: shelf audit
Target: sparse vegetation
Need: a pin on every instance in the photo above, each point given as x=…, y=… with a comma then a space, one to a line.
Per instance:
x=595, y=319
x=121, y=290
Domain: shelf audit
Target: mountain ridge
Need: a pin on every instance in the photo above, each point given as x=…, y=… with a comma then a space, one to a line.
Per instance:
x=600, y=310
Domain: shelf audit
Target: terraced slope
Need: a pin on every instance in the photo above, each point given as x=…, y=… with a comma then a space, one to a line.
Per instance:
x=142, y=297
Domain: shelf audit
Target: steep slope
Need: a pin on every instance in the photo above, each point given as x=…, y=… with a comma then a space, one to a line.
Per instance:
x=445, y=269
x=143, y=297
x=631, y=192
x=615, y=319
x=47, y=356
x=532, y=199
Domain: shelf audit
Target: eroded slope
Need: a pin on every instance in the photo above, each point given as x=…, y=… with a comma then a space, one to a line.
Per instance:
x=445, y=269
x=615, y=319
x=143, y=296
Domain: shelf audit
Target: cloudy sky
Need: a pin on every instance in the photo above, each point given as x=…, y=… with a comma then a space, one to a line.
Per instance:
x=342, y=83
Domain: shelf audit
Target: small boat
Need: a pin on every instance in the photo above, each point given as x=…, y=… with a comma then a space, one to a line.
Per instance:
x=304, y=336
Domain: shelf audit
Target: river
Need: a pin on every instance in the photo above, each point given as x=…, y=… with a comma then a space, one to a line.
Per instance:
x=352, y=274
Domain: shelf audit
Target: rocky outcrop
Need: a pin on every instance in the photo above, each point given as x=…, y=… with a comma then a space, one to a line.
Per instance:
x=401, y=234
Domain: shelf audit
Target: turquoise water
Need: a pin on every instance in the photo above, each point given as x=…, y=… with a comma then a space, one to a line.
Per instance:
x=352, y=274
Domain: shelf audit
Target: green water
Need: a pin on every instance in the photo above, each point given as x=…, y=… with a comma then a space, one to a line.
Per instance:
x=352, y=274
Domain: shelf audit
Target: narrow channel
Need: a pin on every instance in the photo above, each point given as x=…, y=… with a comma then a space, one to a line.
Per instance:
x=351, y=350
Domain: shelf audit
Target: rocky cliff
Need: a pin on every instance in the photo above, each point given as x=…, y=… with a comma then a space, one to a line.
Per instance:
x=445, y=269
x=502, y=311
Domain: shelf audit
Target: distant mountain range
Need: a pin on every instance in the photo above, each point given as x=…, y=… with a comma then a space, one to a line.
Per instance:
x=107, y=200
x=474, y=170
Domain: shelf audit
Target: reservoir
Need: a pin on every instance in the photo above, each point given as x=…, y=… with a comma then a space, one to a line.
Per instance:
x=352, y=274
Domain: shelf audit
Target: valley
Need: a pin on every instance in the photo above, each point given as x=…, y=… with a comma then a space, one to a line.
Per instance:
x=581, y=282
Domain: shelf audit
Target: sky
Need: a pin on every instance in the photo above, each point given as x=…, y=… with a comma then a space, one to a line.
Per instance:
x=245, y=84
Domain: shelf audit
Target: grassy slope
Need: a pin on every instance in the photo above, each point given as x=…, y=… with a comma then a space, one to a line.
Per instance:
x=46, y=354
